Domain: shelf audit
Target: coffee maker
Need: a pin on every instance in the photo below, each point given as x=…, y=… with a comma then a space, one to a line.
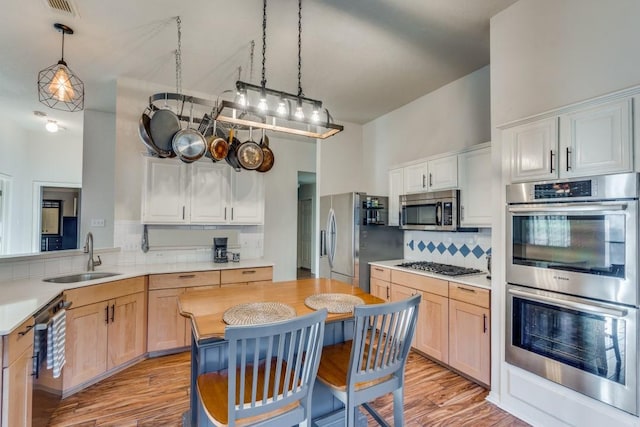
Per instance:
x=220, y=249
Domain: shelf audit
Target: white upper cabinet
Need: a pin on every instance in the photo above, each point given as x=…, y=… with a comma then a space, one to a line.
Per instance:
x=597, y=140
x=396, y=187
x=443, y=173
x=432, y=175
x=475, y=188
x=590, y=141
x=415, y=178
x=200, y=193
x=534, y=149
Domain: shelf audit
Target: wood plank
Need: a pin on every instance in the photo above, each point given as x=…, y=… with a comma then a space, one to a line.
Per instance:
x=420, y=282
x=184, y=280
x=105, y=291
x=155, y=392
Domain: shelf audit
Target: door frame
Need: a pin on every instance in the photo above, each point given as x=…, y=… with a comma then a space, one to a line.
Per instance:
x=37, y=206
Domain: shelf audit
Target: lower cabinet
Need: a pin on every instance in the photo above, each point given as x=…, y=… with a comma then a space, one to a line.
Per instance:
x=106, y=327
x=17, y=381
x=469, y=331
x=379, y=282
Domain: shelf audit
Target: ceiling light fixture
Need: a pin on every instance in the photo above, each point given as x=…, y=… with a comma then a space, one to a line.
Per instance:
x=59, y=87
x=279, y=119
x=52, y=126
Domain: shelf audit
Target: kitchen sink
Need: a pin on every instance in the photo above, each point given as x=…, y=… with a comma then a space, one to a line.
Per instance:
x=80, y=277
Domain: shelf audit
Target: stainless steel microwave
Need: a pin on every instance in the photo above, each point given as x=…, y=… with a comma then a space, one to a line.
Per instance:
x=437, y=210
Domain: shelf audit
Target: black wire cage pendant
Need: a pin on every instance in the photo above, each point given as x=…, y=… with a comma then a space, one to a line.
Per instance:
x=58, y=86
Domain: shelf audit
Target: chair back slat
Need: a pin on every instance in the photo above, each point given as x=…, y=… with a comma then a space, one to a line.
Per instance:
x=278, y=361
x=382, y=340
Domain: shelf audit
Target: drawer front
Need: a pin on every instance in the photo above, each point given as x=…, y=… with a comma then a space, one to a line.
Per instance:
x=240, y=275
x=91, y=294
x=421, y=283
x=381, y=273
x=17, y=342
x=469, y=294
x=184, y=280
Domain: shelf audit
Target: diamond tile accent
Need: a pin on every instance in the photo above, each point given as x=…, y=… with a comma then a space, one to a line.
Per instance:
x=431, y=247
x=478, y=251
x=488, y=251
x=452, y=249
x=410, y=244
x=441, y=248
x=421, y=246
x=464, y=250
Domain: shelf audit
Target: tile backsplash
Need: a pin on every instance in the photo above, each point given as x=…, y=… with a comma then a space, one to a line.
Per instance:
x=466, y=249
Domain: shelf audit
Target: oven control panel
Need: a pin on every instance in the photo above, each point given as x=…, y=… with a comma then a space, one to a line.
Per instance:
x=563, y=190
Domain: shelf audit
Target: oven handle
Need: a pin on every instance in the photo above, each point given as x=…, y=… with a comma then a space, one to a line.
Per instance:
x=591, y=308
x=570, y=207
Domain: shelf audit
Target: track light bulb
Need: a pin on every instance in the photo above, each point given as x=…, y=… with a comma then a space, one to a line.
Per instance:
x=262, y=105
x=299, y=113
x=52, y=126
x=315, y=116
x=282, y=108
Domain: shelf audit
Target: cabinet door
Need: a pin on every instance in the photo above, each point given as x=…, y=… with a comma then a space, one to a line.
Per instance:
x=399, y=292
x=432, y=336
x=127, y=329
x=596, y=140
x=247, y=193
x=442, y=173
x=475, y=188
x=533, y=150
x=209, y=191
x=166, y=327
x=396, y=188
x=86, y=343
x=17, y=389
x=469, y=340
x=380, y=288
x=415, y=178
x=164, y=198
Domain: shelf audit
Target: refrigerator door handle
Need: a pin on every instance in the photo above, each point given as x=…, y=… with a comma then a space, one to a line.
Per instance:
x=323, y=243
x=332, y=231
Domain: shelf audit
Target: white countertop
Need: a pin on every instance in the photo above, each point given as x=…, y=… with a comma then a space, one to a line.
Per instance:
x=480, y=279
x=21, y=299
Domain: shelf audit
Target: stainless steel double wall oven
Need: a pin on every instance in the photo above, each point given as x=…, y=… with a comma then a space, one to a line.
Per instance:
x=572, y=284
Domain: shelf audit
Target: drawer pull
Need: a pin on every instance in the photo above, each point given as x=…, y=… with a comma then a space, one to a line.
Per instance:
x=186, y=276
x=248, y=271
x=26, y=331
x=484, y=323
x=467, y=289
x=113, y=313
x=106, y=314
x=378, y=269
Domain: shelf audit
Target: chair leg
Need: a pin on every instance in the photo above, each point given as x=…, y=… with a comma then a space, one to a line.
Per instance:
x=398, y=407
x=350, y=415
x=376, y=416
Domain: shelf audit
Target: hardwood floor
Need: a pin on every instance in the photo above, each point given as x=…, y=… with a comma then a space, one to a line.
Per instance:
x=155, y=393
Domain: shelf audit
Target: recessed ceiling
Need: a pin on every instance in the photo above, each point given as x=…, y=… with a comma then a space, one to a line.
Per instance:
x=362, y=58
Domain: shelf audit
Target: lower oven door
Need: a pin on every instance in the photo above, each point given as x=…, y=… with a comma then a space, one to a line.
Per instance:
x=588, y=346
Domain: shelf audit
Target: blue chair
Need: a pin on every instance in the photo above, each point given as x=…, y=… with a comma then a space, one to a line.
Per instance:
x=275, y=368
x=372, y=364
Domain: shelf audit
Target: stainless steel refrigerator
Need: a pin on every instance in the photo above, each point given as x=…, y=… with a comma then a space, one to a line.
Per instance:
x=354, y=232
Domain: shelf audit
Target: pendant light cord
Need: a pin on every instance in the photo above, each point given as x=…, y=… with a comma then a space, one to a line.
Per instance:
x=62, y=59
x=300, y=93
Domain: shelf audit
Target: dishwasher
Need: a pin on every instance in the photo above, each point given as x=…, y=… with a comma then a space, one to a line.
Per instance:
x=47, y=390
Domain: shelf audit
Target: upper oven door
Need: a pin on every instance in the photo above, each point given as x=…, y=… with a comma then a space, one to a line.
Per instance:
x=585, y=248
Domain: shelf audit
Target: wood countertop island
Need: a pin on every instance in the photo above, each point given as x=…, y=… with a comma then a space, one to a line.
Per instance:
x=205, y=308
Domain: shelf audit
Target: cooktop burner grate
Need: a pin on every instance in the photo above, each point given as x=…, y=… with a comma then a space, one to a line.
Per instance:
x=444, y=269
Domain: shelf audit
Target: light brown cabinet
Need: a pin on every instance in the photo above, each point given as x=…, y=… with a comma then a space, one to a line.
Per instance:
x=469, y=331
x=17, y=381
x=244, y=276
x=106, y=328
x=380, y=282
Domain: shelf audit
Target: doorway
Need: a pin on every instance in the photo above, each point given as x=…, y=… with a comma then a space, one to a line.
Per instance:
x=58, y=214
x=306, y=216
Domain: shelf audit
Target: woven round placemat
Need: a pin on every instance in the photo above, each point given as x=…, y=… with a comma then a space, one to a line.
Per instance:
x=334, y=303
x=256, y=313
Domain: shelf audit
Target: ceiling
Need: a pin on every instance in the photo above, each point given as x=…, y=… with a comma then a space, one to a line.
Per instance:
x=362, y=58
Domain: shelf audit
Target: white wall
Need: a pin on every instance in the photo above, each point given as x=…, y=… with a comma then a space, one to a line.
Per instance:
x=451, y=118
x=281, y=203
x=339, y=161
x=546, y=54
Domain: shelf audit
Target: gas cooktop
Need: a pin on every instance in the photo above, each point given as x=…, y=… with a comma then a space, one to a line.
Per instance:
x=434, y=267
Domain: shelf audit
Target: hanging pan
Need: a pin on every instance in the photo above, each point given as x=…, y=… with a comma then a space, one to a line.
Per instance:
x=217, y=147
x=189, y=144
x=145, y=136
x=250, y=153
x=232, y=157
x=267, y=154
x=164, y=125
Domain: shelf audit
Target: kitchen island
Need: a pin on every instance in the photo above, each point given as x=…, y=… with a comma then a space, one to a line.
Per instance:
x=209, y=349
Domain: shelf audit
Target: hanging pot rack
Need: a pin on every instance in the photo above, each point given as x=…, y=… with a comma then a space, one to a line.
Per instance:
x=247, y=116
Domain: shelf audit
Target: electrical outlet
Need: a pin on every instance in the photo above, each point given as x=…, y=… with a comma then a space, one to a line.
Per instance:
x=97, y=222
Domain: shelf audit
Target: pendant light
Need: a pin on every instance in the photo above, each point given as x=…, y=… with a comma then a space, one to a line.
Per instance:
x=58, y=86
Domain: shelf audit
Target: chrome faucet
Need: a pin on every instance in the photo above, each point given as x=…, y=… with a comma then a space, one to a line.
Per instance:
x=88, y=249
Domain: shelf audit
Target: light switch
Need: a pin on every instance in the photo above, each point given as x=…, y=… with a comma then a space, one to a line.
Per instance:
x=97, y=222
